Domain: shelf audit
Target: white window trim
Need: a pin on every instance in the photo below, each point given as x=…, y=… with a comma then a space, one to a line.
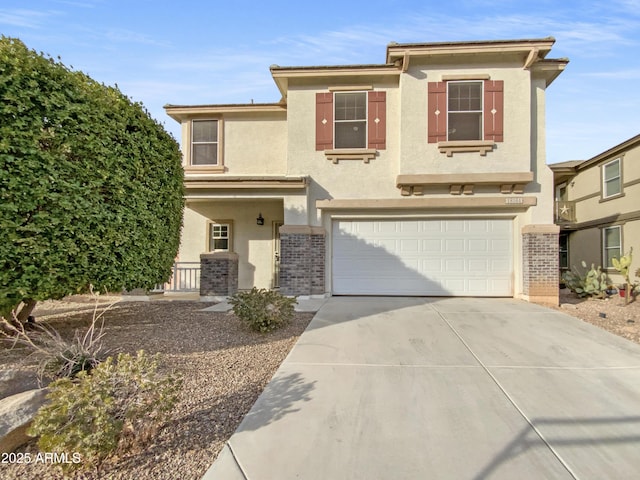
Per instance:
x=481, y=139
x=213, y=167
x=605, y=265
x=366, y=120
x=604, y=179
x=229, y=225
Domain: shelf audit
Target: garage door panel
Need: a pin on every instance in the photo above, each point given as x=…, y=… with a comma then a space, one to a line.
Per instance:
x=478, y=245
x=431, y=245
x=410, y=246
x=423, y=257
x=478, y=265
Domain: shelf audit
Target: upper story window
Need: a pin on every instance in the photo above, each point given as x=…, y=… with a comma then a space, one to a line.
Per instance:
x=611, y=179
x=350, y=120
x=464, y=110
x=611, y=245
x=465, y=115
x=204, y=142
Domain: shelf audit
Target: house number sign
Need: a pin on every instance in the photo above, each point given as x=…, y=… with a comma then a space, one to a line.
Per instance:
x=513, y=200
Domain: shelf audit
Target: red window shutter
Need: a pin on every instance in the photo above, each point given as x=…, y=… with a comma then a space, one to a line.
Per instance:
x=377, y=121
x=494, y=110
x=324, y=121
x=437, y=115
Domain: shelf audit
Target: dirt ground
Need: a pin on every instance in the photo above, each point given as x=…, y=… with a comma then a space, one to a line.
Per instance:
x=610, y=313
x=224, y=365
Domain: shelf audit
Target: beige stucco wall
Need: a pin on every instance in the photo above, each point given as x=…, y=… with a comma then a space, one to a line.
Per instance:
x=253, y=243
x=586, y=245
x=348, y=178
x=586, y=187
x=252, y=142
x=279, y=143
x=418, y=156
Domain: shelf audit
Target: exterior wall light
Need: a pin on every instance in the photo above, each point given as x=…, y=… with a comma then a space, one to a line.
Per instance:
x=260, y=219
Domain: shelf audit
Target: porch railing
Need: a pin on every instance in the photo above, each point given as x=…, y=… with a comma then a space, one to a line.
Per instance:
x=565, y=211
x=184, y=278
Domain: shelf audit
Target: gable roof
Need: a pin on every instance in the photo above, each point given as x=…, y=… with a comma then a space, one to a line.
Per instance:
x=562, y=171
x=613, y=151
x=531, y=52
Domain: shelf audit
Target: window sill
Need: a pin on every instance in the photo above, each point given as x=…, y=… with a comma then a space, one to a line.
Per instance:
x=204, y=169
x=459, y=146
x=364, y=154
x=611, y=197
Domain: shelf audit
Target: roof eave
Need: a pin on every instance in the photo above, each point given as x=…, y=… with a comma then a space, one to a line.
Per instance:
x=613, y=151
x=181, y=112
x=549, y=69
x=397, y=51
x=282, y=75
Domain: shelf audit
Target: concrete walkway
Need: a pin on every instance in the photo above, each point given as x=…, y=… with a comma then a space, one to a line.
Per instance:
x=456, y=388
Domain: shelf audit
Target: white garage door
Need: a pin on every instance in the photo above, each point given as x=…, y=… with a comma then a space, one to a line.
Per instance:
x=423, y=257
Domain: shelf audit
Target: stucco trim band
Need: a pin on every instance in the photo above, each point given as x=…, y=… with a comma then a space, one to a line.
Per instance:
x=302, y=230
x=506, y=203
x=541, y=229
x=225, y=182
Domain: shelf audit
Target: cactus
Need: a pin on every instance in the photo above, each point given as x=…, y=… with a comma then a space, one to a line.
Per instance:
x=623, y=266
x=592, y=284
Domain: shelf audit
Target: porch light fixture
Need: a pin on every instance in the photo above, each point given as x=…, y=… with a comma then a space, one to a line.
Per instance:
x=260, y=219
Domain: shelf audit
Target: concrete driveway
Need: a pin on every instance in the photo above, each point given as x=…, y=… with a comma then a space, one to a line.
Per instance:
x=444, y=388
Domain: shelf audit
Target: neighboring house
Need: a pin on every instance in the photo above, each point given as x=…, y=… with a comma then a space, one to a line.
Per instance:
x=424, y=175
x=598, y=208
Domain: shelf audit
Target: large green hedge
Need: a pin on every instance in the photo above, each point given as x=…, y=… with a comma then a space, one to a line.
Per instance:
x=91, y=187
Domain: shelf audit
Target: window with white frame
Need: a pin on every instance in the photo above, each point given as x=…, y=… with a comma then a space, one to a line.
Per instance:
x=611, y=245
x=204, y=142
x=350, y=119
x=611, y=179
x=464, y=110
x=219, y=237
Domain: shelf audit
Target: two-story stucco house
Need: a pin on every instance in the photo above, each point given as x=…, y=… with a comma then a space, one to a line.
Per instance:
x=598, y=208
x=423, y=175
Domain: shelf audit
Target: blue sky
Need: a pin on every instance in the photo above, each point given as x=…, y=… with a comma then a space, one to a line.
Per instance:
x=203, y=52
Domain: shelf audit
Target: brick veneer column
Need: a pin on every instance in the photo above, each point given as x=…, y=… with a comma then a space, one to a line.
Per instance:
x=302, y=257
x=540, y=269
x=218, y=274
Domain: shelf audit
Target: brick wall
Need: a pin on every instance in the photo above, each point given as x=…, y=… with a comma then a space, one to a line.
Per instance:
x=218, y=274
x=302, y=257
x=540, y=267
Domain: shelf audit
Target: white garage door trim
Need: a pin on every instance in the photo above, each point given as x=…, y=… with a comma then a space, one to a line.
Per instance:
x=430, y=257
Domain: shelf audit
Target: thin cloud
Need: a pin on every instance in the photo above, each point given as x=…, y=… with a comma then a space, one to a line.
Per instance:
x=23, y=18
x=130, y=36
x=630, y=74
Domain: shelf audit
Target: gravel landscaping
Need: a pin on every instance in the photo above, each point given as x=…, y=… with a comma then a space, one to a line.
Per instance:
x=225, y=367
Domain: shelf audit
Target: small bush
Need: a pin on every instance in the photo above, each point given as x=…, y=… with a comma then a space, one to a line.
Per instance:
x=263, y=310
x=592, y=284
x=120, y=405
x=57, y=356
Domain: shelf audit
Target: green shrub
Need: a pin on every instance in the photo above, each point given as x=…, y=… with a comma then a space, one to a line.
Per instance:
x=592, y=284
x=91, y=186
x=263, y=310
x=120, y=405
